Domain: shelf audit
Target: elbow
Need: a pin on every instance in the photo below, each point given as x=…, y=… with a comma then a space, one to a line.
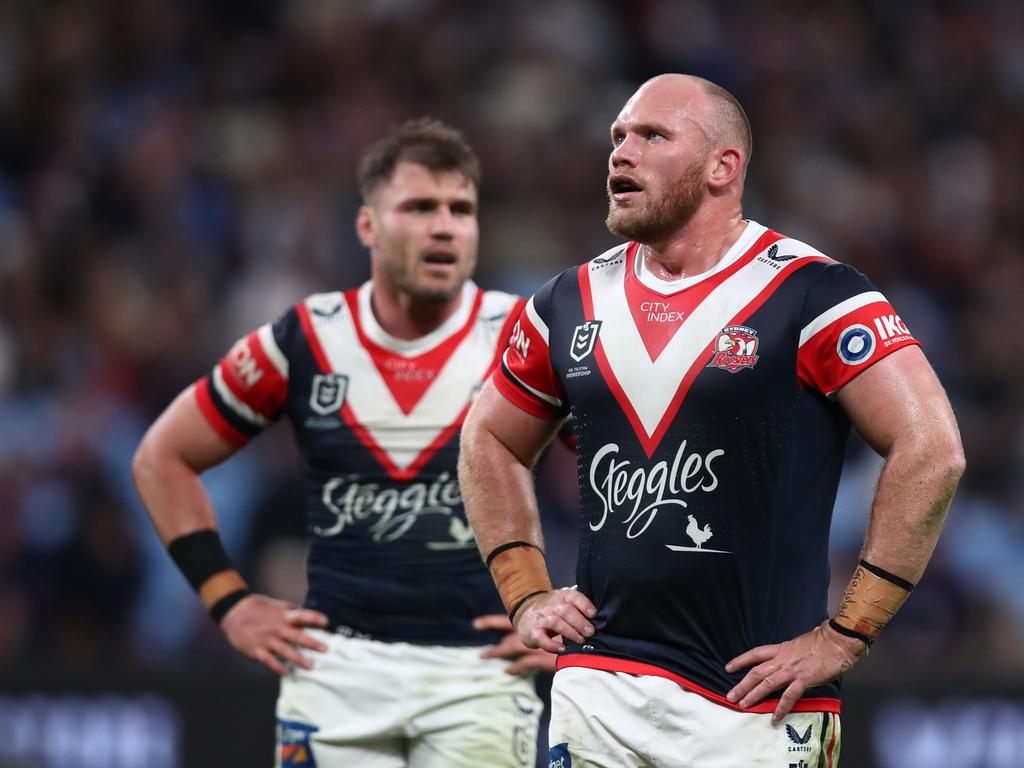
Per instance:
x=954, y=462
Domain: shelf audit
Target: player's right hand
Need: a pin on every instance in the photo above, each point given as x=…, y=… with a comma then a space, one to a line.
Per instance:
x=547, y=618
x=270, y=631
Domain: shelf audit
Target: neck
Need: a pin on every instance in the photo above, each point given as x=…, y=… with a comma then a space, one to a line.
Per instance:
x=695, y=248
x=406, y=317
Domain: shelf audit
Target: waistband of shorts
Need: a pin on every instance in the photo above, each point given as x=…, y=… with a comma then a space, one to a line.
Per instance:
x=613, y=664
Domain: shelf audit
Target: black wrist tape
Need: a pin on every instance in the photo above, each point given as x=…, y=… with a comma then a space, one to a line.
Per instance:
x=507, y=546
x=850, y=632
x=892, y=578
x=219, y=609
x=521, y=603
x=199, y=555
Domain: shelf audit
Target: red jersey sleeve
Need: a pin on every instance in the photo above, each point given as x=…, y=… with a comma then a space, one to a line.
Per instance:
x=848, y=327
x=245, y=391
x=525, y=377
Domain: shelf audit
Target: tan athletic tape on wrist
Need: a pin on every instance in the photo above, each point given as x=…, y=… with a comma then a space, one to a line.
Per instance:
x=870, y=601
x=519, y=573
x=219, y=586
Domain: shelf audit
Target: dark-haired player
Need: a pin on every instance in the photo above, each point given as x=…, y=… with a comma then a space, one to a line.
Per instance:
x=376, y=382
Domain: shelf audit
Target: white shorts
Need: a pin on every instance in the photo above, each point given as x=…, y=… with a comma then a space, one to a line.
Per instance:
x=388, y=705
x=616, y=720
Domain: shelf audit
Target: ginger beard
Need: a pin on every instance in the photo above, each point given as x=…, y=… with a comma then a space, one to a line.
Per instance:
x=661, y=215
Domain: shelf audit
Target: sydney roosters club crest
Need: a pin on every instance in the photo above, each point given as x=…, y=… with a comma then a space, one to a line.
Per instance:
x=735, y=349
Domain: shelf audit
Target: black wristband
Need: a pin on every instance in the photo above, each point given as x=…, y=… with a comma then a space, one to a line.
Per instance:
x=199, y=555
x=507, y=546
x=892, y=578
x=521, y=603
x=219, y=609
x=850, y=632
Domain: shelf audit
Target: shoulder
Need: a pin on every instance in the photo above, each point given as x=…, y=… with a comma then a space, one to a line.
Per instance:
x=499, y=303
x=324, y=306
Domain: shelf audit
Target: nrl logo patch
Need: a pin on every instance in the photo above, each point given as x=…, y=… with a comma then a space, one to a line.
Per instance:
x=328, y=392
x=583, y=339
x=735, y=349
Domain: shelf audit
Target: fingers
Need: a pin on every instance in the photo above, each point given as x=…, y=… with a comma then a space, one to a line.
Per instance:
x=498, y=621
x=790, y=697
x=534, y=660
x=510, y=647
x=541, y=639
x=300, y=638
x=752, y=657
x=287, y=652
x=271, y=662
x=305, y=617
x=580, y=601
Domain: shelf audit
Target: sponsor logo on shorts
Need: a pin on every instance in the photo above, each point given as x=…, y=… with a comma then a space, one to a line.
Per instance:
x=735, y=349
x=296, y=749
x=559, y=757
x=796, y=738
x=856, y=344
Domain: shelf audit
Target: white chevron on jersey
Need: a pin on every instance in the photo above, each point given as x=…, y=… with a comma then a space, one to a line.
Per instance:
x=651, y=387
x=401, y=439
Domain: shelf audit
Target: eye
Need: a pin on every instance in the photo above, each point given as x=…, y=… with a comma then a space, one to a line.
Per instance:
x=652, y=135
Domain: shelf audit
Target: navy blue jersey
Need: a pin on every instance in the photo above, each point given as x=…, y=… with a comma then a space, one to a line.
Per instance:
x=709, y=445
x=376, y=420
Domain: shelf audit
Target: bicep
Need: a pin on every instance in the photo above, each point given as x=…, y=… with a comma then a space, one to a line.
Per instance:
x=522, y=434
x=183, y=434
x=899, y=397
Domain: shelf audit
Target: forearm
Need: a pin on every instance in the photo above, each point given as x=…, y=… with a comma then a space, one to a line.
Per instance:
x=913, y=496
x=499, y=446
x=498, y=492
x=172, y=493
x=910, y=506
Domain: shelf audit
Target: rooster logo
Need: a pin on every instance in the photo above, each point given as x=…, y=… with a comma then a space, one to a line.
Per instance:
x=696, y=533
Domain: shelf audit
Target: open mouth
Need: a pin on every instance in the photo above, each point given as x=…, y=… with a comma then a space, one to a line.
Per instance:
x=622, y=187
x=440, y=258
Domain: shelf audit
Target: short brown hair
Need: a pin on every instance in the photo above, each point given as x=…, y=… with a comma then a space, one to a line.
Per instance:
x=424, y=141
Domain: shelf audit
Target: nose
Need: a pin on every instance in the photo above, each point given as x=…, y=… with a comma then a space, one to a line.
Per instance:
x=624, y=154
x=442, y=223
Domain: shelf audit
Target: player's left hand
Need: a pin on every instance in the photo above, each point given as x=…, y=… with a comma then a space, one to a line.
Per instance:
x=811, y=659
x=512, y=648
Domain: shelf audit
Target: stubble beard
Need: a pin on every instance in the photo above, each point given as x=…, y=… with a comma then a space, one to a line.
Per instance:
x=662, y=216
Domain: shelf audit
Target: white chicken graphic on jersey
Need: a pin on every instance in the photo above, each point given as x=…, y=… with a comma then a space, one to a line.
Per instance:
x=699, y=535
x=695, y=532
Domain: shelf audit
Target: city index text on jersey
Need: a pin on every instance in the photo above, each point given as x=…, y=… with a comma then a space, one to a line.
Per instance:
x=639, y=492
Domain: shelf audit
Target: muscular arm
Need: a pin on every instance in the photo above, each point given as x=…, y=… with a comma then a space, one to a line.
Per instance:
x=177, y=448
x=174, y=452
x=901, y=410
x=500, y=444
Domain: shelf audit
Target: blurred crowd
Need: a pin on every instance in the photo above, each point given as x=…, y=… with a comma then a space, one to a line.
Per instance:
x=173, y=174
